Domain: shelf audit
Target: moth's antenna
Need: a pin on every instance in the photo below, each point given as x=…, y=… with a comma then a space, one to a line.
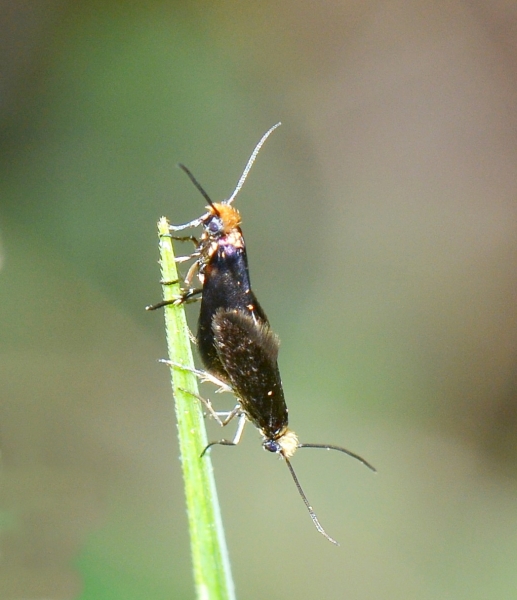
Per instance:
x=196, y=183
x=200, y=219
x=306, y=502
x=340, y=449
x=250, y=163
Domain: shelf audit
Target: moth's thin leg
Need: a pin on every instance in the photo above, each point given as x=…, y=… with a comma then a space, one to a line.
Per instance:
x=203, y=375
x=187, y=297
x=240, y=428
x=185, y=238
x=182, y=259
x=236, y=438
x=230, y=415
x=194, y=267
x=169, y=282
x=216, y=414
x=186, y=294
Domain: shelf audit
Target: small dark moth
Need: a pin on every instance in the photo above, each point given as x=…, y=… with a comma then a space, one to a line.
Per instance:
x=236, y=344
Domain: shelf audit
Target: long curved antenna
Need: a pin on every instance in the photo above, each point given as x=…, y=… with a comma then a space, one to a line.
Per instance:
x=340, y=449
x=196, y=183
x=250, y=163
x=199, y=220
x=306, y=502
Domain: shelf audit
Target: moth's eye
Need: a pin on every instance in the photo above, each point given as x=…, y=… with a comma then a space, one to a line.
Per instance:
x=271, y=446
x=214, y=226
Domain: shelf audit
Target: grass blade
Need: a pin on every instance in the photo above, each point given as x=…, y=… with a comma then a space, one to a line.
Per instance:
x=212, y=574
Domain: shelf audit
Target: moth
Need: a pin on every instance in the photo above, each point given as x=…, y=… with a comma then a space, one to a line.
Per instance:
x=236, y=344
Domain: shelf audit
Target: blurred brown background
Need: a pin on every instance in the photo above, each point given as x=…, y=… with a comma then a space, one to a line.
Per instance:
x=382, y=234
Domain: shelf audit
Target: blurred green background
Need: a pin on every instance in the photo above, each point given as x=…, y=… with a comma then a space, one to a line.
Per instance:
x=381, y=228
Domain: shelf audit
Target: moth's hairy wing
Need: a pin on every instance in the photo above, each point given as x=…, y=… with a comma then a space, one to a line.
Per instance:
x=239, y=337
x=248, y=351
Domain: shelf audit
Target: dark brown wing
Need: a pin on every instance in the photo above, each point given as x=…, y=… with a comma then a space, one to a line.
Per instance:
x=248, y=351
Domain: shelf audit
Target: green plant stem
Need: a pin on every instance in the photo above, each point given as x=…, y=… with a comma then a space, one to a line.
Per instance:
x=212, y=574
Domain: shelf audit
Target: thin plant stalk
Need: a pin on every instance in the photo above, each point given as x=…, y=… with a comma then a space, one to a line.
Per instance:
x=212, y=573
